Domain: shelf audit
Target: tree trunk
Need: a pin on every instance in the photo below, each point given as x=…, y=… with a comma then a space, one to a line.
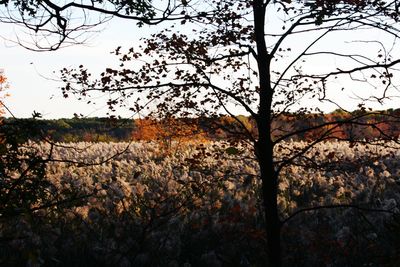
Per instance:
x=269, y=193
x=264, y=146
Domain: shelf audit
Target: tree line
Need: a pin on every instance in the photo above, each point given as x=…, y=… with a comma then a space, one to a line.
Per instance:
x=372, y=125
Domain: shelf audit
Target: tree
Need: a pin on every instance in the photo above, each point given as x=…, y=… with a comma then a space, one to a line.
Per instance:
x=167, y=131
x=3, y=86
x=258, y=55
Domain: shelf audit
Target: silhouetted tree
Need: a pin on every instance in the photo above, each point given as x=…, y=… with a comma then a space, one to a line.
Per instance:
x=270, y=58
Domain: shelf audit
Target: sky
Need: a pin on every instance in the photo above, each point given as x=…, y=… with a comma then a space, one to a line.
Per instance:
x=33, y=75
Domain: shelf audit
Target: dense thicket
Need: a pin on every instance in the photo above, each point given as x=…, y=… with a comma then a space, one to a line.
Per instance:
x=149, y=208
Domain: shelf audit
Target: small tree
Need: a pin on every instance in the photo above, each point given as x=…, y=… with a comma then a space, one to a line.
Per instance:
x=259, y=55
x=3, y=86
x=169, y=132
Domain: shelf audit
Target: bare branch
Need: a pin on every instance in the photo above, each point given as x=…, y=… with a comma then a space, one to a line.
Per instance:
x=336, y=206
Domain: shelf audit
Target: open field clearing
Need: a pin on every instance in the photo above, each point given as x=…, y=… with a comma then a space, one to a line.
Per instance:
x=199, y=205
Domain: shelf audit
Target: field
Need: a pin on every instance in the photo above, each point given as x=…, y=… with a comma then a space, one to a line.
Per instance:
x=137, y=204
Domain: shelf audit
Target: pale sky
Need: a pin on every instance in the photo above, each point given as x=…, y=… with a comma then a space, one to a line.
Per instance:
x=30, y=73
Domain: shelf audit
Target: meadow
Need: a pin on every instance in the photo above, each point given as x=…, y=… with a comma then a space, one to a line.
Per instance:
x=138, y=204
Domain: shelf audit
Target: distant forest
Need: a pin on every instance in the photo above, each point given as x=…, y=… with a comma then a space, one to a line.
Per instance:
x=75, y=129
x=371, y=125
